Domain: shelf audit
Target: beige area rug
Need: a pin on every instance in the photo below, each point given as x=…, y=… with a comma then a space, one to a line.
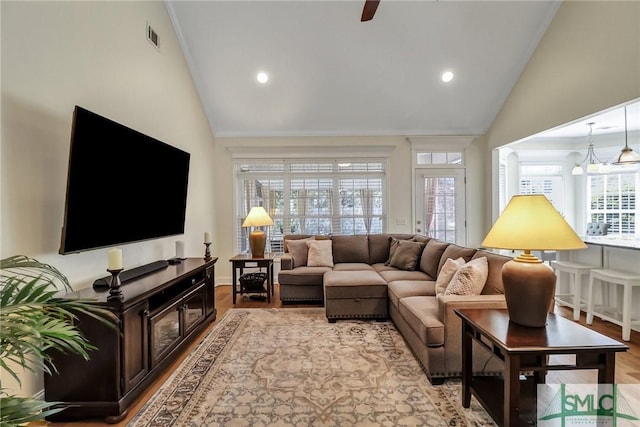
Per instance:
x=290, y=367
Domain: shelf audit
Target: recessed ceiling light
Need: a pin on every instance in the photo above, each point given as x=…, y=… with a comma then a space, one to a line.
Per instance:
x=447, y=76
x=262, y=77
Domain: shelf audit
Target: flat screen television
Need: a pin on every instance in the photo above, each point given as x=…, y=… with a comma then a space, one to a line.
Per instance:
x=122, y=186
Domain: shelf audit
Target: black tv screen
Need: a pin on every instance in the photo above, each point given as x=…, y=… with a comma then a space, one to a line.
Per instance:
x=122, y=186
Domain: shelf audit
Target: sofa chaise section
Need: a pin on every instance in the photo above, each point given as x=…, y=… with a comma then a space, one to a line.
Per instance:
x=362, y=284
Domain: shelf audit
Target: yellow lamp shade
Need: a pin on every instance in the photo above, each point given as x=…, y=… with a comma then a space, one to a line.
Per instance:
x=257, y=217
x=531, y=222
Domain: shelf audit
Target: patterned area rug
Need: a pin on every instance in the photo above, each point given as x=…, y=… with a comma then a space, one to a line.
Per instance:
x=290, y=367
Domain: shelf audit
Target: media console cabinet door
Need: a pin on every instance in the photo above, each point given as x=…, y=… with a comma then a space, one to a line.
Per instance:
x=135, y=355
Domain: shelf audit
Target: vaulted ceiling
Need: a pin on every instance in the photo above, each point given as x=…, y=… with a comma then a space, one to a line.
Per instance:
x=330, y=74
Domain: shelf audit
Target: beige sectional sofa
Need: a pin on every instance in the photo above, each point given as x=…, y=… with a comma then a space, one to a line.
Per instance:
x=362, y=284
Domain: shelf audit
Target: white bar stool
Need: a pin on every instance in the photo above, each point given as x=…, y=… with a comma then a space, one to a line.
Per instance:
x=622, y=278
x=575, y=271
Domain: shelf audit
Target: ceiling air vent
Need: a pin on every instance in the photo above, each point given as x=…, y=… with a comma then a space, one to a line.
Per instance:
x=153, y=37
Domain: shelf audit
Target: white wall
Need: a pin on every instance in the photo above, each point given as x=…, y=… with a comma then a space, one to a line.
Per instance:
x=94, y=54
x=587, y=61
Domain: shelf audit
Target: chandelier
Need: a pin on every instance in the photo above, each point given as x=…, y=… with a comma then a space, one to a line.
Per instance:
x=594, y=163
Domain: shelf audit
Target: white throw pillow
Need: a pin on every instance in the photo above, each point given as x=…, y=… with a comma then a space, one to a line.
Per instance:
x=470, y=278
x=446, y=274
x=320, y=253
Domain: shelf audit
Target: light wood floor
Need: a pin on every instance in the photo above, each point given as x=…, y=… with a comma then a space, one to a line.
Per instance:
x=627, y=363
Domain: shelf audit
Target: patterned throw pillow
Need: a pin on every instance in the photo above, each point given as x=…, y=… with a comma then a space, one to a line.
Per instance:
x=446, y=274
x=470, y=278
x=320, y=253
x=299, y=251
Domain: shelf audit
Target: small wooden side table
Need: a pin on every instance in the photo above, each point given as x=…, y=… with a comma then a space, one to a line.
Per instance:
x=242, y=261
x=508, y=400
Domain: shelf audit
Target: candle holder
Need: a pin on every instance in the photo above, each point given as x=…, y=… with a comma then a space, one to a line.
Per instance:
x=115, y=293
x=207, y=253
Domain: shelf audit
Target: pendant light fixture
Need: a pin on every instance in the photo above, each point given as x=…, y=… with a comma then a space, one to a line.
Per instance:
x=594, y=164
x=627, y=156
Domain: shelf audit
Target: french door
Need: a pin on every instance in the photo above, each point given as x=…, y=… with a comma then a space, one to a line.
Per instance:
x=440, y=204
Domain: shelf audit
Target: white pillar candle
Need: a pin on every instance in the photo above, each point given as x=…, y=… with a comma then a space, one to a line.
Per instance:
x=180, y=249
x=115, y=259
x=207, y=237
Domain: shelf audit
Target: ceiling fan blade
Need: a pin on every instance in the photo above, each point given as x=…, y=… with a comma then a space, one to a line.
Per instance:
x=369, y=10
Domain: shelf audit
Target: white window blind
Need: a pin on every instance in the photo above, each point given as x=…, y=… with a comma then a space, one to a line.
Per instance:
x=543, y=179
x=612, y=199
x=321, y=198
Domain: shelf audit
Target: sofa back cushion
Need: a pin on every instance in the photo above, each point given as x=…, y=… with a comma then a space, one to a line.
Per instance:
x=495, y=262
x=350, y=248
x=431, y=255
x=379, y=246
x=454, y=251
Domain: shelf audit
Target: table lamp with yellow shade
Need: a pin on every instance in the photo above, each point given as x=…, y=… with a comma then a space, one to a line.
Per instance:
x=530, y=222
x=257, y=217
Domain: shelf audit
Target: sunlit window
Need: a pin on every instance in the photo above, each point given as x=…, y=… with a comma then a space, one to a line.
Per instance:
x=317, y=198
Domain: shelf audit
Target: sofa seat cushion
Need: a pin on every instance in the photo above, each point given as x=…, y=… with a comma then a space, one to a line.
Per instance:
x=421, y=313
x=382, y=267
x=409, y=288
x=352, y=266
x=354, y=284
x=395, y=274
x=303, y=276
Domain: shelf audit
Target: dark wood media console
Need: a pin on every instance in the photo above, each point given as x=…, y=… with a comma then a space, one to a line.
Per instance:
x=160, y=314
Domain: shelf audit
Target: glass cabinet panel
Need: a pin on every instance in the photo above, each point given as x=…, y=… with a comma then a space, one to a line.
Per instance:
x=165, y=332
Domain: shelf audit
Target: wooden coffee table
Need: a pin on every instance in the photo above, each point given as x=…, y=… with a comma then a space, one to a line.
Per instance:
x=510, y=401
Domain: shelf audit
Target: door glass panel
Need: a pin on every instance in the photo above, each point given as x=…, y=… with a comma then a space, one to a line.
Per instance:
x=440, y=208
x=440, y=204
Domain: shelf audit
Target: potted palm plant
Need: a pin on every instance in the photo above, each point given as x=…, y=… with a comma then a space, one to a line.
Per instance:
x=35, y=318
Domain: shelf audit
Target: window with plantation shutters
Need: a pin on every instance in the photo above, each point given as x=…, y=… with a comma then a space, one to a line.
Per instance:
x=315, y=197
x=543, y=179
x=611, y=199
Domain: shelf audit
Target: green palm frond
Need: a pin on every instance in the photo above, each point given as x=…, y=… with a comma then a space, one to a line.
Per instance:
x=16, y=410
x=34, y=319
x=29, y=268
